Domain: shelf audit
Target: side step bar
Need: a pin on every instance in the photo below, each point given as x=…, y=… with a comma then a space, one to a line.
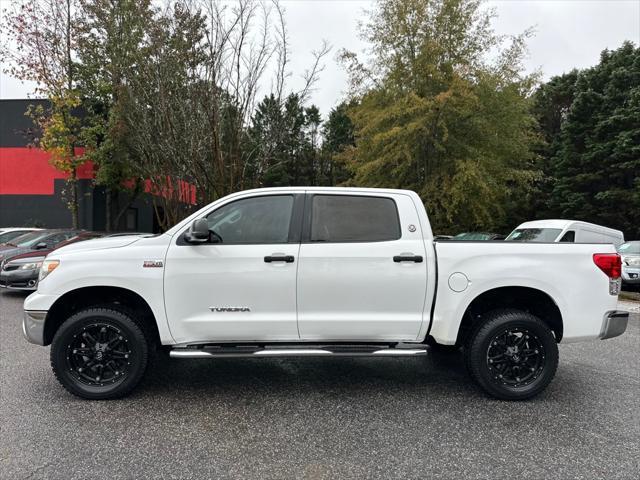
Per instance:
x=293, y=352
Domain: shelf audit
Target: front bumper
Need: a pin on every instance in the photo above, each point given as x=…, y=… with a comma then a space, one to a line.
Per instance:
x=614, y=324
x=33, y=326
x=19, y=279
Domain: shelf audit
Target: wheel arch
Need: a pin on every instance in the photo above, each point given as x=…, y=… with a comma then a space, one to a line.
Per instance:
x=528, y=299
x=85, y=297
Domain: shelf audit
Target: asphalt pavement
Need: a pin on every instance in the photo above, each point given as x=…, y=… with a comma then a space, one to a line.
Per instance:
x=317, y=418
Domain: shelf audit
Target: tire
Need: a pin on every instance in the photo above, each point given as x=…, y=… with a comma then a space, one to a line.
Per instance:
x=512, y=355
x=100, y=353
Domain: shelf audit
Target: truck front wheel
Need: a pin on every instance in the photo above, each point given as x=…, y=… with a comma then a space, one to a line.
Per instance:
x=512, y=355
x=99, y=353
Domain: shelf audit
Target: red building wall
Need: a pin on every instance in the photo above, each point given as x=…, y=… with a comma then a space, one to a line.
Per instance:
x=27, y=171
x=31, y=190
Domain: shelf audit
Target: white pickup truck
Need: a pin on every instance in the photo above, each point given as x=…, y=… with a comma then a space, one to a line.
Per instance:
x=318, y=272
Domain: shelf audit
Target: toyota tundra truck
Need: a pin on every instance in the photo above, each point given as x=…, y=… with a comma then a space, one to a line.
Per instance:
x=296, y=272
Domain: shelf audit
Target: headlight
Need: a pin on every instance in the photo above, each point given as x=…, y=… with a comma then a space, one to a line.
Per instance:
x=48, y=266
x=631, y=261
x=31, y=266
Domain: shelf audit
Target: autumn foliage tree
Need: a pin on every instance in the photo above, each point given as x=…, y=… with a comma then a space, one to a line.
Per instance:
x=111, y=34
x=436, y=115
x=41, y=46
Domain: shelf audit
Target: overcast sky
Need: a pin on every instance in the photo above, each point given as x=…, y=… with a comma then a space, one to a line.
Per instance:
x=569, y=33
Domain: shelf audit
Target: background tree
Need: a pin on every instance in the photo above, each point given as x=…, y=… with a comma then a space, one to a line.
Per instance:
x=167, y=127
x=597, y=163
x=284, y=142
x=313, y=165
x=41, y=46
x=238, y=43
x=267, y=163
x=338, y=136
x=109, y=51
x=440, y=118
x=550, y=106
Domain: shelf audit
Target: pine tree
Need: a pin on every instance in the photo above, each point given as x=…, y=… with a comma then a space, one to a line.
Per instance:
x=338, y=133
x=597, y=165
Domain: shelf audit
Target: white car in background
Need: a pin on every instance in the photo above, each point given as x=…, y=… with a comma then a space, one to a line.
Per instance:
x=565, y=231
x=630, y=253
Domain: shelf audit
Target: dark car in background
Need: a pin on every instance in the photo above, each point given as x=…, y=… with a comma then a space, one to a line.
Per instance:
x=20, y=272
x=40, y=240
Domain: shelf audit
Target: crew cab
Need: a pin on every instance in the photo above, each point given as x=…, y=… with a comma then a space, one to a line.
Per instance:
x=318, y=272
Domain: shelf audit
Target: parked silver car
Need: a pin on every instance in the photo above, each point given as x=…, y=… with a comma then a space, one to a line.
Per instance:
x=630, y=253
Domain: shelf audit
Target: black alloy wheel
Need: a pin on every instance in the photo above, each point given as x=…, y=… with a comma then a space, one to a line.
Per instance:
x=512, y=355
x=515, y=357
x=100, y=353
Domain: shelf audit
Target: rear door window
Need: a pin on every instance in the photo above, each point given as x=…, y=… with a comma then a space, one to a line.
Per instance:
x=353, y=218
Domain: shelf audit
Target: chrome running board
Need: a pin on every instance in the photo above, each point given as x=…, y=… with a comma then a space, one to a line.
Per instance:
x=338, y=351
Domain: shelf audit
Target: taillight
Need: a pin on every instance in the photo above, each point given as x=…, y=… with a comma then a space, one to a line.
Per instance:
x=609, y=263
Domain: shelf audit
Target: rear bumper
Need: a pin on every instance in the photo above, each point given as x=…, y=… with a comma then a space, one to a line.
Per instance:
x=614, y=324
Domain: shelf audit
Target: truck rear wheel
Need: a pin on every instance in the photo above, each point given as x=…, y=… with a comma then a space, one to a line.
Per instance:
x=513, y=355
x=99, y=353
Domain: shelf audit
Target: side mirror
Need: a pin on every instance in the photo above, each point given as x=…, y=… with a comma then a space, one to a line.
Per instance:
x=40, y=246
x=198, y=232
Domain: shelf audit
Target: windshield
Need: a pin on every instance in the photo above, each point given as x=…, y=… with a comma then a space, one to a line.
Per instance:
x=28, y=239
x=472, y=236
x=8, y=236
x=534, y=235
x=631, y=248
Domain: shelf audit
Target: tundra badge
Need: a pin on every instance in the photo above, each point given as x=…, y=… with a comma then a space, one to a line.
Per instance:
x=152, y=264
x=230, y=309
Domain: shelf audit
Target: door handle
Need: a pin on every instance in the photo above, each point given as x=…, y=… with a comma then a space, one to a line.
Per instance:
x=279, y=258
x=407, y=258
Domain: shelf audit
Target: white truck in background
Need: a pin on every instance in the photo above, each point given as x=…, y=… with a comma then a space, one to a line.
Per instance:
x=318, y=272
x=565, y=231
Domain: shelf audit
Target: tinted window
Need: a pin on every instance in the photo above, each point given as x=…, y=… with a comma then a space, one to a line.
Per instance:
x=344, y=218
x=8, y=236
x=569, y=237
x=57, y=238
x=631, y=248
x=473, y=236
x=534, y=235
x=29, y=239
x=258, y=220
